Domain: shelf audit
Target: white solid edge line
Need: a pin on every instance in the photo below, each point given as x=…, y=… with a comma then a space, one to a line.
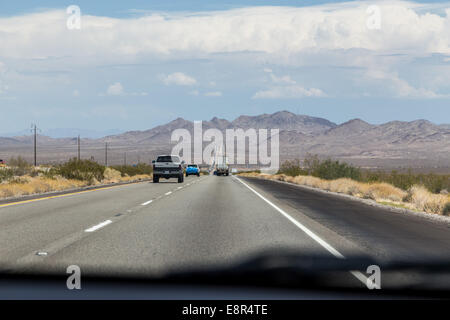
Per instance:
x=146, y=203
x=98, y=226
x=357, y=274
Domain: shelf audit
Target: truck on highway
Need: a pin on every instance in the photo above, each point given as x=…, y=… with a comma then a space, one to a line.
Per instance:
x=222, y=168
x=168, y=166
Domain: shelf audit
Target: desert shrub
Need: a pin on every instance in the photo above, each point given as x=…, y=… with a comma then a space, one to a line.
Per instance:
x=19, y=166
x=384, y=191
x=424, y=200
x=330, y=170
x=324, y=169
x=111, y=174
x=49, y=173
x=134, y=170
x=433, y=182
x=85, y=170
x=446, y=210
x=6, y=174
x=292, y=168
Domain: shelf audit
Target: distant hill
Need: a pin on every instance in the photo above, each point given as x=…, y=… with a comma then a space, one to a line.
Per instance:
x=417, y=143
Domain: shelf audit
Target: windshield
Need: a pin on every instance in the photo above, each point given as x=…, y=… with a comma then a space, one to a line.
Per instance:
x=318, y=131
x=168, y=159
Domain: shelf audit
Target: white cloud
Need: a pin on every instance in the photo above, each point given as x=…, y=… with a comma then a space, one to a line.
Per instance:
x=213, y=94
x=76, y=93
x=115, y=89
x=282, y=79
x=325, y=35
x=178, y=78
x=288, y=92
x=399, y=87
x=405, y=27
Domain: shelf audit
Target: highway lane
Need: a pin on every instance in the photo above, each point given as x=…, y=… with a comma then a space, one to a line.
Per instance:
x=212, y=223
x=380, y=233
x=27, y=227
x=207, y=221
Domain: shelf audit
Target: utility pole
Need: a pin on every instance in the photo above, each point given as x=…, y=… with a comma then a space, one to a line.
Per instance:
x=106, y=154
x=79, y=143
x=34, y=128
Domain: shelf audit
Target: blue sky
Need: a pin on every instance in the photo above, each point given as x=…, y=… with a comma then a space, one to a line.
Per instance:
x=136, y=64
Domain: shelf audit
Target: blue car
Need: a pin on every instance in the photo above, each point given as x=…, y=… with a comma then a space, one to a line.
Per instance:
x=192, y=169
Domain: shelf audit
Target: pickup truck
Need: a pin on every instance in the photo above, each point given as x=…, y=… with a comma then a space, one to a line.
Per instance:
x=168, y=166
x=192, y=169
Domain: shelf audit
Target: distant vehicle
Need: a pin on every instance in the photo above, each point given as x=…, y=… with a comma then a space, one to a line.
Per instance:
x=193, y=169
x=222, y=166
x=2, y=162
x=168, y=166
x=222, y=170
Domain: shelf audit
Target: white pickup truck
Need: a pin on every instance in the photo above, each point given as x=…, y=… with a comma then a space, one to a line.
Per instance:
x=168, y=166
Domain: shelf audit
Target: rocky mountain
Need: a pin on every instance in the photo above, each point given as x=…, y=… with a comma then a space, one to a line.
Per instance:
x=417, y=143
x=285, y=120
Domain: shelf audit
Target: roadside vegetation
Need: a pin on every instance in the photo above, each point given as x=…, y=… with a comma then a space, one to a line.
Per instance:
x=19, y=178
x=420, y=192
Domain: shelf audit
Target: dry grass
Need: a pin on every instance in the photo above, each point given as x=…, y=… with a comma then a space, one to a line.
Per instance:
x=417, y=197
x=112, y=175
x=26, y=185
x=34, y=185
x=424, y=200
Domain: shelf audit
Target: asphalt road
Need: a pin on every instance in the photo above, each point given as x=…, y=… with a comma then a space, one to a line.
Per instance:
x=206, y=221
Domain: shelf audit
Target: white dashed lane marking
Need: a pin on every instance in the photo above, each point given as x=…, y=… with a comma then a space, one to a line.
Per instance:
x=146, y=203
x=98, y=226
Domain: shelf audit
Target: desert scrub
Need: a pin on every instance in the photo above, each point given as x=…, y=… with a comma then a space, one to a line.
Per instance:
x=83, y=170
x=384, y=191
x=331, y=170
x=424, y=200
x=435, y=183
x=36, y=185
x=139, y=169
x=446, y=211
x=111, y=175
x=19, y=166
x=5, y=174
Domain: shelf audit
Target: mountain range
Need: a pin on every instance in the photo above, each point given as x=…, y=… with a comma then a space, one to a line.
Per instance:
x=418, y=143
